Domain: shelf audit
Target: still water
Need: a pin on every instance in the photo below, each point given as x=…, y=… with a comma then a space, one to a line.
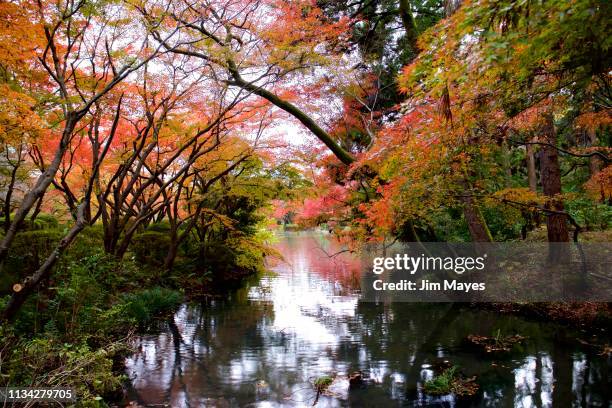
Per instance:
x=265, y=346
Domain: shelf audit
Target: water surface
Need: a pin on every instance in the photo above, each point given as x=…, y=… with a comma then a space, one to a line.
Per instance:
x=266, y=344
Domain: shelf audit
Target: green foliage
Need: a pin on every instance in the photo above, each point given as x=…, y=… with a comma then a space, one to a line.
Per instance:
x=150, y=247
x=232, y=258
x=86, y=301
x=589, y=214
x=29, y=250
x=145, y=305
x=376, y=36
x=450, y=225
x=451, y=382
x=162, y=226
x=90, y=239
x=518, y=42
x=46, y=361
x=32, y=247
x=502, y=229
x=441, y=384
x=229, y=241
x=42, y=221
x=79, y=363
x=323, y=383
x=78, y=301
x=71, y=333
x=77, y=297
x=287, y=182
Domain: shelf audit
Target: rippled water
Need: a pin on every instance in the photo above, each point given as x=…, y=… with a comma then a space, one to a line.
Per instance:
x=266, y=345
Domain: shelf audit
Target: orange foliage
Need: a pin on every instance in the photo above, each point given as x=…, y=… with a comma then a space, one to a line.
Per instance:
x=599, y=186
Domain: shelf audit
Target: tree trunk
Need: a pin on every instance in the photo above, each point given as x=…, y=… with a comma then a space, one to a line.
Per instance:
x=563, y=368
x=506, y=154
x=344, y=156
x=171, y=255
x=479, y=231
x=125, y=243
x=409, y=25
x=475, y=221
x=550, y=172
x=595, y=162
x=410, y=232
x=450, y=6
x=531, y=169
x=8, y=197
x=37, y=208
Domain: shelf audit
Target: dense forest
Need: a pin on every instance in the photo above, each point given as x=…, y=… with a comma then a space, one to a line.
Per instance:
x=149, y=149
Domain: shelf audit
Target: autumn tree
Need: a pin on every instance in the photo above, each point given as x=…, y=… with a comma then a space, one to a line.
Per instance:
x=492, y=62
x=79, y=60
x=250, y=47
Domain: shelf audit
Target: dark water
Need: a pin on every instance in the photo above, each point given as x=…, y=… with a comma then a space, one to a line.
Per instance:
x=265, y=346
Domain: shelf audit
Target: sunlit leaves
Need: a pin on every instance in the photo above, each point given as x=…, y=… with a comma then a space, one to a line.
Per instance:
x=18, y=119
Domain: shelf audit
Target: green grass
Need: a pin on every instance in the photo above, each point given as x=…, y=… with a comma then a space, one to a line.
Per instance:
x=441, y=384
x=145, y=305
x=451, y=382
x=322, y=383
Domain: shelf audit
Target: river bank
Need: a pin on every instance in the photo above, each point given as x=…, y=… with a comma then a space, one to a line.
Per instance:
x=590, y=317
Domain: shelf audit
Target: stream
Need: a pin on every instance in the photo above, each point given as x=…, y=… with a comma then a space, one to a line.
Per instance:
x=267, y=343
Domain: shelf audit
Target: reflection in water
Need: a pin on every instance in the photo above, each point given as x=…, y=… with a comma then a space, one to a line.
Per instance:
x=265, y=346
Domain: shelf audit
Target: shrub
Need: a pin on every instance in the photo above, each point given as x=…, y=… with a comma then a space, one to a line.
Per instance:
x=28, y=252
x=162, y=226
x=90, y=239
x=150, y=247
x=104, y=268
x=145, y=305
x=41, y=222
x=33, y=247
x=76, y=303
x=234, y=258
x=589, y=214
